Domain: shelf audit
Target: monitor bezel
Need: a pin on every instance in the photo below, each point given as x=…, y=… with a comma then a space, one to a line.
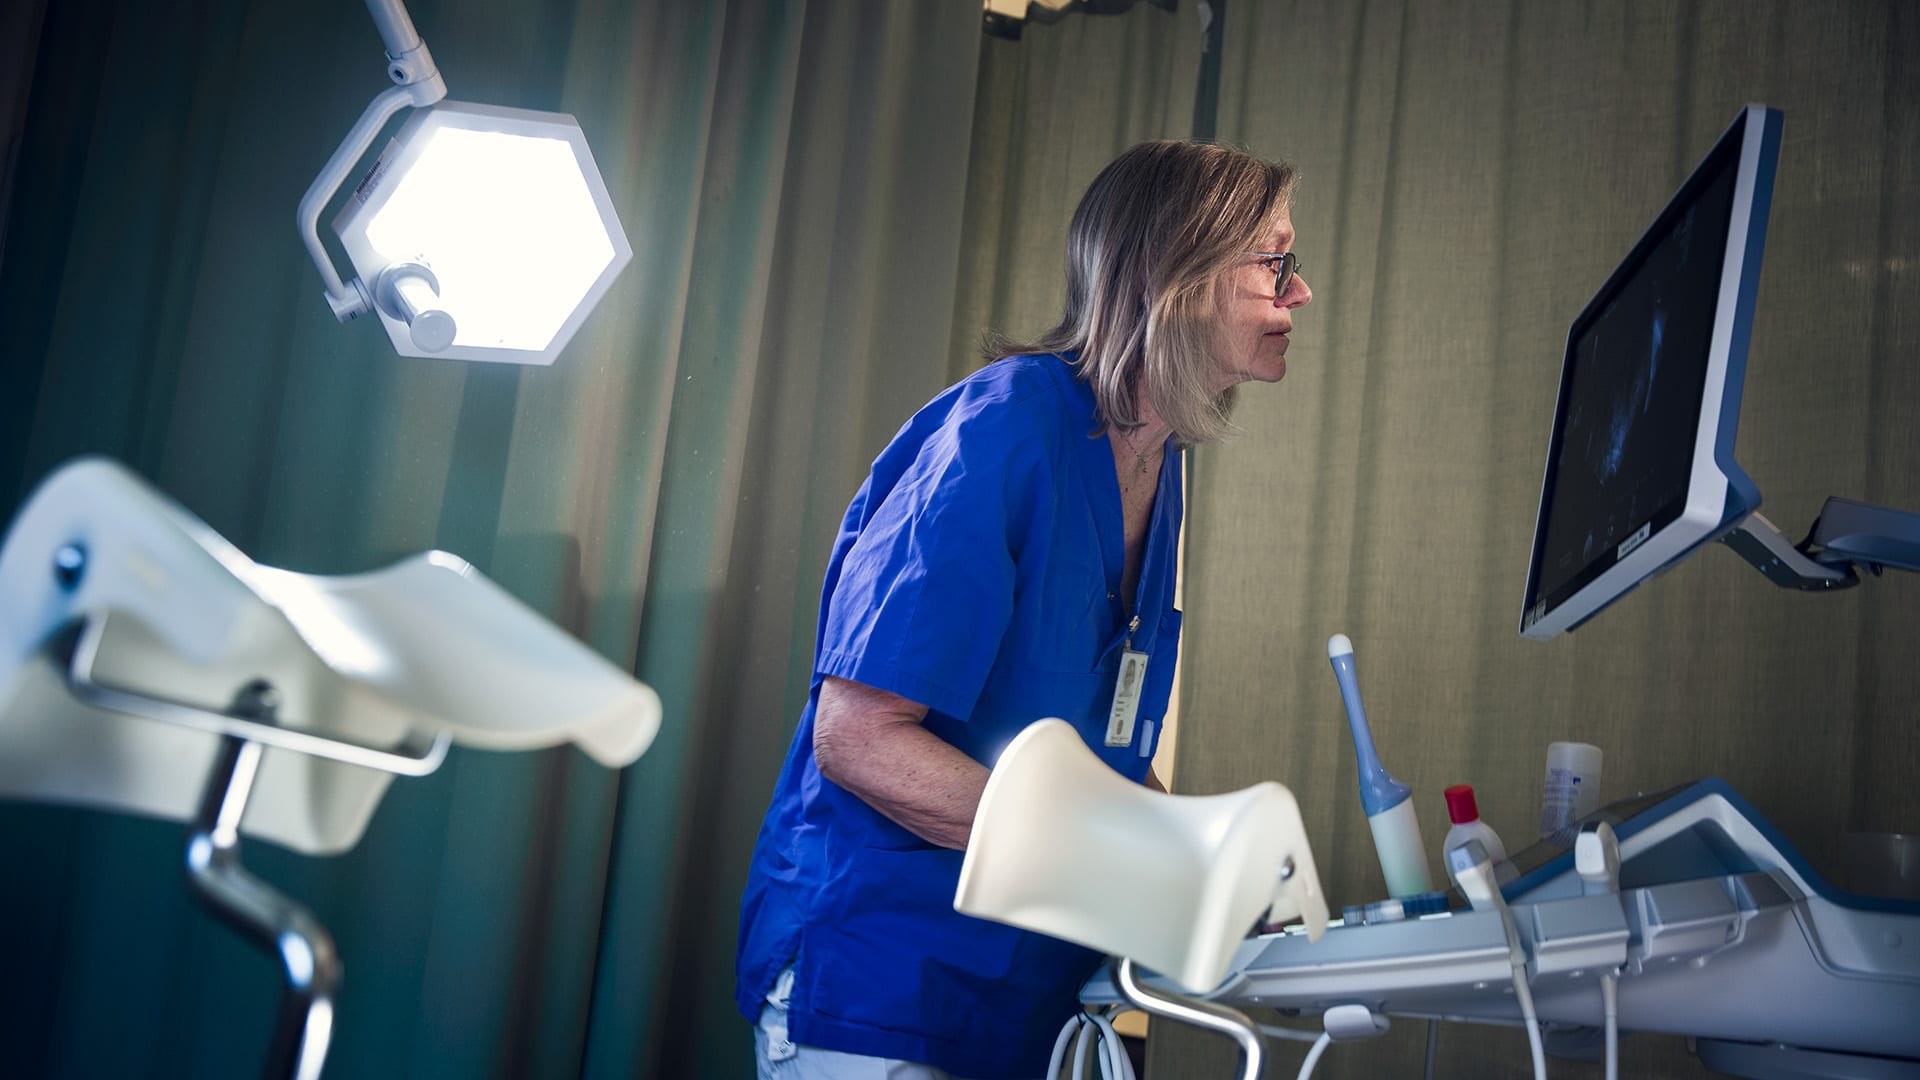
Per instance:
x=1719, y=493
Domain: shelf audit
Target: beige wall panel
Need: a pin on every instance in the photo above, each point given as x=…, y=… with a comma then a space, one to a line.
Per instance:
x=1472, y=173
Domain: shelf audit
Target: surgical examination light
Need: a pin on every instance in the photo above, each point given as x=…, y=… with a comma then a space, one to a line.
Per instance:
x=479, y=233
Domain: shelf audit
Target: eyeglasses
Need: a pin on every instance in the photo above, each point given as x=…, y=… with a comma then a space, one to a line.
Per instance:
x=1285, y=265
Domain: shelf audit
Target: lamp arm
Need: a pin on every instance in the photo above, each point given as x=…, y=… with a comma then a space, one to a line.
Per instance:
x=408, y=61
x=417, y=83
x=349, y=301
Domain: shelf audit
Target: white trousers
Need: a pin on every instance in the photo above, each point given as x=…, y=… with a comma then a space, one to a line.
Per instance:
x=780, y=1058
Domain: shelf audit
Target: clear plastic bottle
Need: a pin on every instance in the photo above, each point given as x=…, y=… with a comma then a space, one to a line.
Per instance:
x=1465, y=814
x=1570, y=791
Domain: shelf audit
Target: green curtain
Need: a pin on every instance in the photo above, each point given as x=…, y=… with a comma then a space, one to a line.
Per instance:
x=1471, y=173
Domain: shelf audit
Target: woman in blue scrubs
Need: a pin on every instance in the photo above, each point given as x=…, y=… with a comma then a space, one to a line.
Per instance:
x=1010, y=556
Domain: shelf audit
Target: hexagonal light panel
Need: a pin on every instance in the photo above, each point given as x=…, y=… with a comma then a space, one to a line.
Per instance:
x=484, y=233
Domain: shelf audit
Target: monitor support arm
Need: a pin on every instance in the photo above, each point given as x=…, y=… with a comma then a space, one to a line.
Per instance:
x=1759, y=542
x=1846, y=534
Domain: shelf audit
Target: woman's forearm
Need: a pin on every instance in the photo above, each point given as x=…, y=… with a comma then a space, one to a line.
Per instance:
x=871, y=742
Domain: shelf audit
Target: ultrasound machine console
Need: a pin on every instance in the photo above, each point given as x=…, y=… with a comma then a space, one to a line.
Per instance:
x=1703, y=921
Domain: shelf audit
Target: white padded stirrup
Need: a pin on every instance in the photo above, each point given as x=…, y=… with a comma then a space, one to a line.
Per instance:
x=1064, y=845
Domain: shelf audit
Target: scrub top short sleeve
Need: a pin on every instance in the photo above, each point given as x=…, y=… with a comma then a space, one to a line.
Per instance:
x=925, y=591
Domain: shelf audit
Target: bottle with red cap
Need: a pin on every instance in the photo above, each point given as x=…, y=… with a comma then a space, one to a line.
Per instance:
x=1465, y=814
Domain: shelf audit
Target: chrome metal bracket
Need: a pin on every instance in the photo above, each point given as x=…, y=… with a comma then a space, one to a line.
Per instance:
x=1204, y=1014
x=415, y=755
x=269, y=919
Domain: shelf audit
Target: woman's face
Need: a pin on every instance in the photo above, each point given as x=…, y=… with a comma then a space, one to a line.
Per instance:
x=1251, y=328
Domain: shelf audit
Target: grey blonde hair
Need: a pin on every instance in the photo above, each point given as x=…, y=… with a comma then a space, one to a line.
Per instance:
x=1154, y=232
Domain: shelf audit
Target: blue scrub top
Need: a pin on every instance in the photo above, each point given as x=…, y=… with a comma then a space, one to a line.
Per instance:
x=977, y=572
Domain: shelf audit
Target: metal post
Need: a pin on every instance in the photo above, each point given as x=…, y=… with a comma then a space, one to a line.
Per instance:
x=1206, y=94
x=267, y=918
x=1205, y=1014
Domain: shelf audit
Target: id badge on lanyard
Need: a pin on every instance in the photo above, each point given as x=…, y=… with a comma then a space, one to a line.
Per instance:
x=1126, y=691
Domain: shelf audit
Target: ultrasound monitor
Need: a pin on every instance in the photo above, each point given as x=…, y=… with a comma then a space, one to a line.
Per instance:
x=1640, y=468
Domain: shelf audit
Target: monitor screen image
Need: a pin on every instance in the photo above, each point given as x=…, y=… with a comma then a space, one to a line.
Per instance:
x=1640, y=469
